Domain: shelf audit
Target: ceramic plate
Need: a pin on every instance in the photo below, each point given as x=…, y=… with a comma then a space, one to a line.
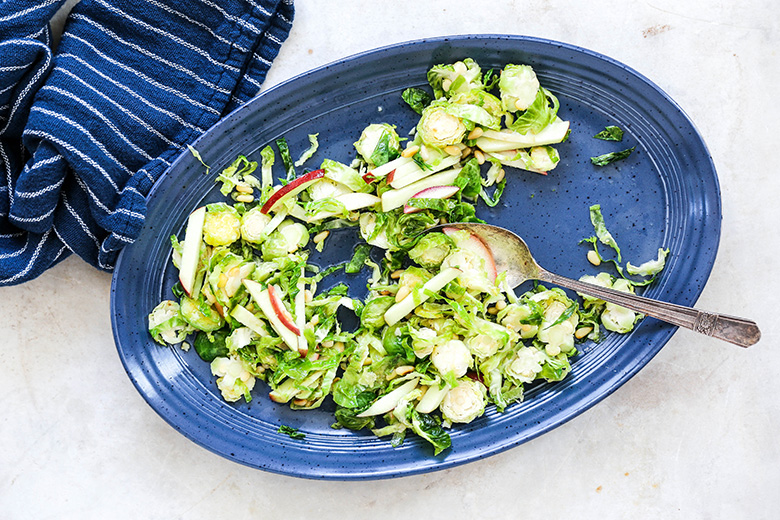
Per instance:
x=664, y=195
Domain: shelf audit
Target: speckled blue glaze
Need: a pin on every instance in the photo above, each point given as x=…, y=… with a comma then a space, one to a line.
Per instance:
x=665, y=194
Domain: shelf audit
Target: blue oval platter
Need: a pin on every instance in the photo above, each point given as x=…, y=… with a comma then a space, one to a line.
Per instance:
x=665, y=194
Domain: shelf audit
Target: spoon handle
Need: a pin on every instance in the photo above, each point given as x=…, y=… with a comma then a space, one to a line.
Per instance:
x=738, y=331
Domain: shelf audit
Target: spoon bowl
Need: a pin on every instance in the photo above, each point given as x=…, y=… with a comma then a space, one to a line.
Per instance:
x=512, y=255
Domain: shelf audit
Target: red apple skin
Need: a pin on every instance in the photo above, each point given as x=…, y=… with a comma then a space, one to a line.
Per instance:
x=434, y=192
x=281, y=312
x=297, y=183
x=390, y=176
x=369, y=177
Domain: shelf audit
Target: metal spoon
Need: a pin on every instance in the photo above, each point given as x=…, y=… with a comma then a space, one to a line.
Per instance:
x=511, y=254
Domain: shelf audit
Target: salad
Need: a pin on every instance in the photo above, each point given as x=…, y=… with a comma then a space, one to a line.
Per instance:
x=440, y=335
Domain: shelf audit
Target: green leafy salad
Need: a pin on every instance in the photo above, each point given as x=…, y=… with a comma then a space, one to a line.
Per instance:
x=440, y=334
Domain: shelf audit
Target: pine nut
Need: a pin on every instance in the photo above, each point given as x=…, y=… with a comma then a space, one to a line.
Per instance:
x=319, y=237
x=314, y=320
x=582, y=332
x=314, y=357
x=519, y=105
x=480, y=156
x=410, y=152
x=395, y=275
x=308, y=296
x=475, y=134
x=424, y=153
x=501, y=305
x=222, y=281
x=460, y=67
x=445, y=85
x=465, y=152
x=300, y=402
x=501, y=175
x=403, y=370
x=327, y=344
x=452, y=150
x=244, y=188
x=593, y=258
x=492, y=310
x=402, y=293
x=367, y=361
x=339, y=345
x=245, y=198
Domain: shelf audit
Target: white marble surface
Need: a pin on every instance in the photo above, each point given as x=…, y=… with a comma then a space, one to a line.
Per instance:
x=693, y=435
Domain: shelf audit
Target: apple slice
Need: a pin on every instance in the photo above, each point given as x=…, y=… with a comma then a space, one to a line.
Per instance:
x=193, y=239
x=293, y=188
x=434, y=192
x=389, y=401
x=413, y=173
x=471, y=242
x=384, y=170
x=419, y=295
x=300, y=313
x=432, y=398
x=392, y=199
x=281, y=311
x=245, y=317
x=497, y=141
x=263, y=299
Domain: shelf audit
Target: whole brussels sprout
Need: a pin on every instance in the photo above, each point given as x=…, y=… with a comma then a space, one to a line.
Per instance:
x=461, y=76
x=518, y=86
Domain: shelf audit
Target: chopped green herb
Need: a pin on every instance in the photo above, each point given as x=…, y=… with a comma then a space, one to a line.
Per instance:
x=292, y=432
x=610, y=133
x=417, y=99
x=284, y=151
x=607, y=158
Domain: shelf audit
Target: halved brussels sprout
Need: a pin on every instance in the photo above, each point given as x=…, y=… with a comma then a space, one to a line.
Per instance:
x=253, y=224
x=200, y=314
x=431, y=250
x=222, y=225
x=378, y=144
x=439, y=128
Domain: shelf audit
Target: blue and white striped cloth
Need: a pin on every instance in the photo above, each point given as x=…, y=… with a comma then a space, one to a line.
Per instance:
x=86, y=131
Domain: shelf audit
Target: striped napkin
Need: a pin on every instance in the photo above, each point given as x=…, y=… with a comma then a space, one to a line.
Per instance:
x=86, y=131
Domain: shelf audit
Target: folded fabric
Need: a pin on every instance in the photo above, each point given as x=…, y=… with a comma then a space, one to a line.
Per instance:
x=85, y=132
